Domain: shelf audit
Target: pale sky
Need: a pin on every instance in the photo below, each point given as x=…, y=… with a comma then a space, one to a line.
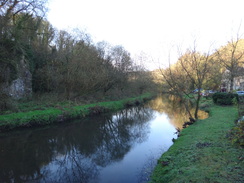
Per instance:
x=156, y=27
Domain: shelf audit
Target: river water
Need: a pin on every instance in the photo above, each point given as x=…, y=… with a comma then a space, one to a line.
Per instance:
x=121, y=147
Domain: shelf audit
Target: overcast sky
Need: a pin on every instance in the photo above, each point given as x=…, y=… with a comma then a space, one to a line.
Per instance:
x=156, y=27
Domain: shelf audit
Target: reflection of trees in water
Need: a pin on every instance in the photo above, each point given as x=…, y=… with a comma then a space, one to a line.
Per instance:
x=70, y=167
x=174, y=109
x=21, y=157
x=72, y=152
x=119, y=133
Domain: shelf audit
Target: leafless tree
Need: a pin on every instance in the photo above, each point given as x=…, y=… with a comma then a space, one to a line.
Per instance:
x=231, y=57
x=188, y=73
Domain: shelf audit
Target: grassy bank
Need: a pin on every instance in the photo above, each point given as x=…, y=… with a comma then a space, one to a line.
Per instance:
x=203, y=153
x=48, y=115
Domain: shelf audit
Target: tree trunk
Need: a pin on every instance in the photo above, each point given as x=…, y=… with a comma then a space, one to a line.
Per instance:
x=231, y=83
x=187, y=107
x=197, y=106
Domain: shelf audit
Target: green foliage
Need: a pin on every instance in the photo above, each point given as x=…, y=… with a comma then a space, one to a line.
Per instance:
x=8, y=64
x=43, y=115
x=224, y=98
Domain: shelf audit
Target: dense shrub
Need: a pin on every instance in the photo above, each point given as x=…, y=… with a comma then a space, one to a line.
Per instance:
x=224, y=98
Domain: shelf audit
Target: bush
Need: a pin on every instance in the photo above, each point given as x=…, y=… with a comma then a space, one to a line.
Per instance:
x=237, y=133
x=224, y=98
x=7, y=104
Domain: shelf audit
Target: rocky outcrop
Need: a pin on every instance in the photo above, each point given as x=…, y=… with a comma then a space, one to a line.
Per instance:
x=21, y=87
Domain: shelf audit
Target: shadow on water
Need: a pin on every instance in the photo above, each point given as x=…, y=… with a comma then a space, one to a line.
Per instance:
x=92, y=149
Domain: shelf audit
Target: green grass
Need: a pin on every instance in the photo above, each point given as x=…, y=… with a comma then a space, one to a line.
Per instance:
x=47, y=114
x=203, y=153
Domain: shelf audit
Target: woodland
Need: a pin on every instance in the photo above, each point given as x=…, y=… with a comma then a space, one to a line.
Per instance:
x=57, y=65
x=60, y=64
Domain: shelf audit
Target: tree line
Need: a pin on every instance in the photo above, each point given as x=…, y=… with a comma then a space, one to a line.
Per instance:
x=71, y=65
x=67, y=63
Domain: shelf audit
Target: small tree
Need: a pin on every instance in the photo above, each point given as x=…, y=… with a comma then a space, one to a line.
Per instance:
x=190, y=71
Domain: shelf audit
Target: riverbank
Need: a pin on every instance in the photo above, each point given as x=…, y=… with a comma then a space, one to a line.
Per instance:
x=62, y=113
x=203, y=152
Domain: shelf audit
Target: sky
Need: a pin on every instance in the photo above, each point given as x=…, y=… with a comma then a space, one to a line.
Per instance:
x=157, y=28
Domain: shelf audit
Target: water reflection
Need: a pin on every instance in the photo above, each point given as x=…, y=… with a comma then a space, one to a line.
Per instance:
x=174, y=109
x=118, y=147
x=72, y=152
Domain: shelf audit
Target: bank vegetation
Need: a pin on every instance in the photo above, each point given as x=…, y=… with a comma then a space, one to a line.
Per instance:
x=40, y=63
x=42, y=67
x=206, y=151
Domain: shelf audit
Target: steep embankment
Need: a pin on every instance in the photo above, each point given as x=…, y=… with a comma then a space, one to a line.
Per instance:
x=203, y=153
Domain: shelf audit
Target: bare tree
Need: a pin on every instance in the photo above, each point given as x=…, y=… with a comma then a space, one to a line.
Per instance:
x=121, y=59
x=14, y=7
x=231, y=57
x=177, y=84
x=190, y=71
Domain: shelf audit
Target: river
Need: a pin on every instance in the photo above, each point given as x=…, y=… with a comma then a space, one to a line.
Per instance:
x=121, y=147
